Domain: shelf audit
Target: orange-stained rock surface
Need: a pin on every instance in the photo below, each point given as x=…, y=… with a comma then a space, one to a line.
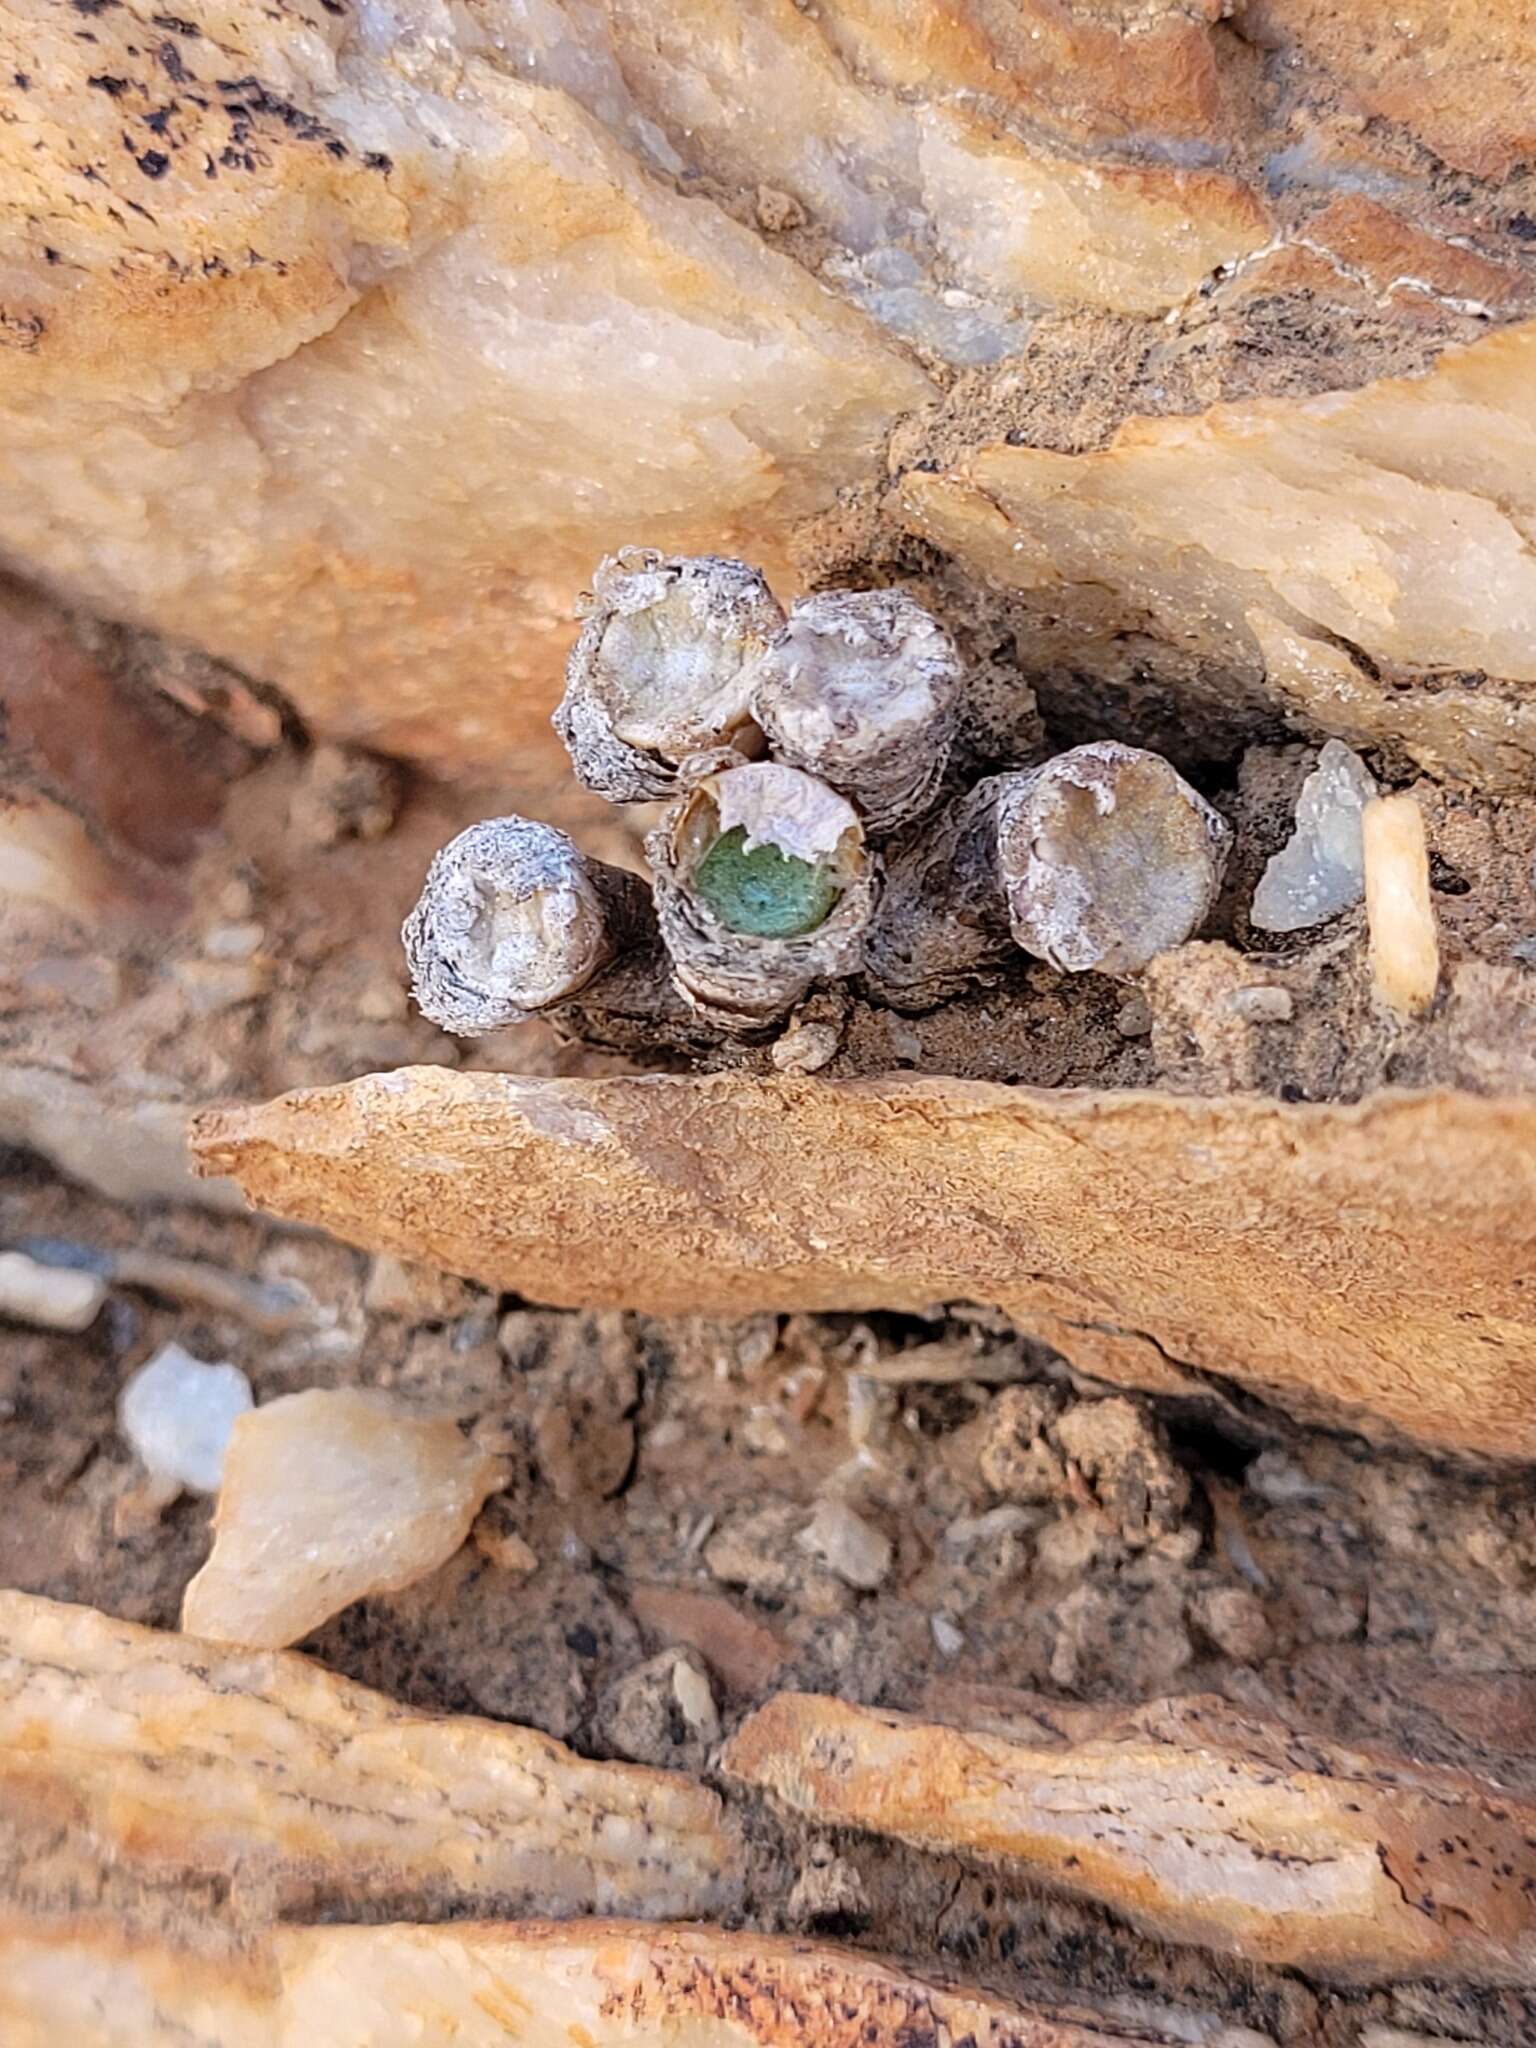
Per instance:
x=1370, y=1262
x=599, y=1984
x=1195, y=1821
x=186, y=1769
x=343, y=348
x=1314, y=550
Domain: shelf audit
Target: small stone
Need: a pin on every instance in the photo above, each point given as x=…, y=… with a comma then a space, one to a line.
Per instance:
x=329, y=1496
x=584, y=1431
x=417, y=1294
x=49, y=1297
x=499, y=1543
x=777, y=212
x=662, y=1712
x=949, y=1640
x=746, y=1654
x=232, y=941
x=1014, y=1460
x=860, y=1554
x=210, y=986
x=1117, y=1446
x=989, y=1531
x=1320, y=871
x=1134, y=1017
x=1262, y=1005
x=343, y=794
x=86, y=981
x=690, y=1687
x=1234, y=1621
x=178, y=1412
x=828, y=1895
x=806, y=1048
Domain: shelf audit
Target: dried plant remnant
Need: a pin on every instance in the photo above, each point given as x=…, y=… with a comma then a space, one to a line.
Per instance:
x=1098, y=860
x=862, y=689
x=763, y=886
x=1405, y=951
x=1109, y=858
x=515, y=919
x=661, y=668
x=328, y=1496
x=1320, y=871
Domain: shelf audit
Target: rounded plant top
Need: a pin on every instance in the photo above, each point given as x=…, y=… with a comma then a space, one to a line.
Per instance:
x=509, y=922
x=661, y=668
x=1107, y=857
x=862, y=688
x=763, y=886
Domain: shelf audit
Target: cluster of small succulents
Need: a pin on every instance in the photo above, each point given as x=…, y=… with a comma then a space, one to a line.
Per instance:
x=816, y=830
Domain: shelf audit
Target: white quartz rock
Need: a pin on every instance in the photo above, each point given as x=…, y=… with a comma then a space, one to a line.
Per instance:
x=329, y=1495
x=52, y=1297
x=1320, y=871
x=178, y=1412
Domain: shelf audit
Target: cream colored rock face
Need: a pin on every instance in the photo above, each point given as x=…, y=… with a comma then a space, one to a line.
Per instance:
x=175, y=1761
x=328, y=1496
x=349, y=365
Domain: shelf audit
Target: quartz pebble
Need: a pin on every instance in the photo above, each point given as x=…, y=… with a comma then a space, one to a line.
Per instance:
x=178, y=1412
x=1320, y=871
x=854, y=1549
x=51, y=1297
x=328, y=1496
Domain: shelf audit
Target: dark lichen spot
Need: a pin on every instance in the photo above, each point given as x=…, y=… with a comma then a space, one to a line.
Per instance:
x=170, y=63
x=22, y=81
x=154, y=163
x=21, y=331
x=376, y=160
x=158, y=121
x=114, y=88
x=93, y=7
x=52, y=256
x=175, y=25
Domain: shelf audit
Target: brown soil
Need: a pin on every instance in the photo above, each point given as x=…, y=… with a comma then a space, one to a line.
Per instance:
x=1048, y=1535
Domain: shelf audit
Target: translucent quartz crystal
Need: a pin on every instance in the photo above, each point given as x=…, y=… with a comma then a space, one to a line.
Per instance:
x=1320, y=871
x=178, y=1412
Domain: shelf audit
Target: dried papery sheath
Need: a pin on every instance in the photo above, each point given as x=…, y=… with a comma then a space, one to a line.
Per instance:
x=1099, y=860
x=763, y=886
x=515, y=919
x=660, y=670
x=862, y=688
x=1108, y=859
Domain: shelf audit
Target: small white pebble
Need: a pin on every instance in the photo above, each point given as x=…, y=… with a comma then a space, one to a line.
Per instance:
x=948, y=1639
x=51, y=1297
x=695, y=1701
x=805, y=1048
x=859, y=1554
x=232, y=941
x=1262, y=1005
x=177, y=1412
